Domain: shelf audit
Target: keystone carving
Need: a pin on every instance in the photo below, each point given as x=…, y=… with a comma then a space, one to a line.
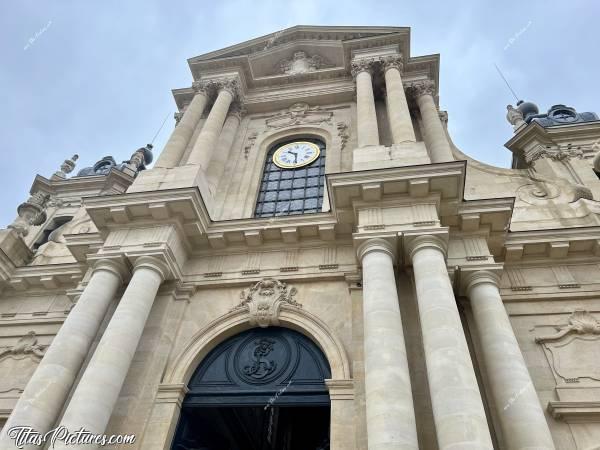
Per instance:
x=264, y=300
x=26, y=345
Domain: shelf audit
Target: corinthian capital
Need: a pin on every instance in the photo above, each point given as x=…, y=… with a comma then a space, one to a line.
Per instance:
x=201, y=87
x=419, y=88
x=362, y=65
x=392, y=62
x=230, y=85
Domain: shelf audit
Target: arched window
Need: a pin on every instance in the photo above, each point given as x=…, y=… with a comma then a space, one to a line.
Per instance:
x=293, y=179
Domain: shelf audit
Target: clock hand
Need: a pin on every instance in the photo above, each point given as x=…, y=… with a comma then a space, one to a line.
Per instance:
x=295, y=156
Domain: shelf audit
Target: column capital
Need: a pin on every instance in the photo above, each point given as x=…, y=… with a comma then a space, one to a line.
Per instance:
x=473, y=276
x=201, y=87
x=392, y=62
x=152, y=263
x=421, y=88
x=375, y=244
x=118, y=266
x=413, y=244
x=230, y=85
x=363, y=65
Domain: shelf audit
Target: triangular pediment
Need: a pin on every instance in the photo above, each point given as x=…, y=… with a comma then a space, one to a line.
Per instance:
x=298, y=33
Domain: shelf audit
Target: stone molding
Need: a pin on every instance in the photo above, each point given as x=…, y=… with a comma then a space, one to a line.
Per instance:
x=264, y=299
x=340, y=389
x=555, y=153
x=575, y=412
x=238, y=320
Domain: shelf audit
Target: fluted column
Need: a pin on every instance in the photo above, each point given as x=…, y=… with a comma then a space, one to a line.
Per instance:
x=96, y=394
x=397, y=106
x=220, y=157
x=389, y=403
x=521, y=416
x=46, y=392
x=206, y=143
x=434, y=133
x=180, y=138
x=368, y=134
x=458, y=412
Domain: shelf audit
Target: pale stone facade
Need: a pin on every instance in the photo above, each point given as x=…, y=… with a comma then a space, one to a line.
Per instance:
x=457, y=304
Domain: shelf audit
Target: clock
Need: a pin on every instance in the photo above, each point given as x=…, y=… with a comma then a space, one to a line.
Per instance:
x=296, y=154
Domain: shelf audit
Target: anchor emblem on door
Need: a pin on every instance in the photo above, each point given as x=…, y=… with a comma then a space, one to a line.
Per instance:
x=261, y=366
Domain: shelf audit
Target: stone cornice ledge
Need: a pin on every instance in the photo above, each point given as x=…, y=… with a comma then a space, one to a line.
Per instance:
x=558, y=243
x=575, y=412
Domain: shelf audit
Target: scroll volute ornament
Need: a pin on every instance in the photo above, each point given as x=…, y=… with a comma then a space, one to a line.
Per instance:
x=264, y=300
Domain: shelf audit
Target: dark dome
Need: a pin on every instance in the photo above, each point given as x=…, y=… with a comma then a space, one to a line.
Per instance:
x=527, y=109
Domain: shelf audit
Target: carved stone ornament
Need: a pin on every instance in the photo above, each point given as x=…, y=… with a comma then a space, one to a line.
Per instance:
x=574, y=350
x=392, y=62
x=31, y=213
x=301, y=63
x=514, y=117
x=343, y=134
x=26, y=345
x=556, y=153
x=250, y=140
x=363, y=65
x=264, y=300
x=178, y=116
x=419, y=88
x=66, y=167
x=299, y=114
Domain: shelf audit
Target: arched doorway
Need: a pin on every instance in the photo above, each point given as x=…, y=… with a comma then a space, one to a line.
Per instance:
x=262, y=389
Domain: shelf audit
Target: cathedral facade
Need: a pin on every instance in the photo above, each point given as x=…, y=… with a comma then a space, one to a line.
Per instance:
x=311, y=263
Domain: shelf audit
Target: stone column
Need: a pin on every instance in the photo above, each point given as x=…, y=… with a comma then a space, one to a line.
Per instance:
x=368, y=134
x=390, y=411
x=521, y=416
x=220, y=157
x=180, y=138
x=205, y=145
x=46, y=392
x=458, y=412
x=434, y=133
x=397, y=106
x=96, y=394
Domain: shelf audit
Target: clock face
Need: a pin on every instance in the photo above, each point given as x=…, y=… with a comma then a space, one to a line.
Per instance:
x=296, y=154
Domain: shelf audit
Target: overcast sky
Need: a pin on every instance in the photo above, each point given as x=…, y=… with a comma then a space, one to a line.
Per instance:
x=95, y=78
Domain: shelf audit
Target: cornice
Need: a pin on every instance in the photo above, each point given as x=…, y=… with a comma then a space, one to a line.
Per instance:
x=552, y=243
x=47, y=277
